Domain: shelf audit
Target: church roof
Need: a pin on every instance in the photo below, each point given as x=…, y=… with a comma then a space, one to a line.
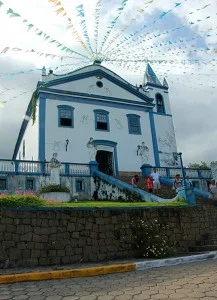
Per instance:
x=150, y=76
x=165, y=83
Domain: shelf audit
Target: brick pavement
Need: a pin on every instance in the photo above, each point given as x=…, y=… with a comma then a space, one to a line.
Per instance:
x=190, y=281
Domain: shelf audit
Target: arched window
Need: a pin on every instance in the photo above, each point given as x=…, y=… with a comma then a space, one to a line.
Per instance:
x=65, y=116
x=101, y=119
x=134, y=125
x=160, y=104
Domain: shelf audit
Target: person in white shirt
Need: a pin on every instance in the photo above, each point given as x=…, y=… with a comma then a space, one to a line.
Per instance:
x=156, y=180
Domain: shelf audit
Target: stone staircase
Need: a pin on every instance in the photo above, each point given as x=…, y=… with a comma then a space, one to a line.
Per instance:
x=165, y=192
x=205, y=245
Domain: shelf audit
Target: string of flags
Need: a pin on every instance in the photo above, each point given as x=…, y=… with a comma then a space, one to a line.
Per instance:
x=70, y=25
x=127, y=45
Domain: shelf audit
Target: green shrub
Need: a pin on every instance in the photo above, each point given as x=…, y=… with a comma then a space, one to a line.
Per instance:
x=54, y=188
x=149, y=239
x=21, y=201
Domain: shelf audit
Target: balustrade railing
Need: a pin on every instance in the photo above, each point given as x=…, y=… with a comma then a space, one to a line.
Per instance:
x=37, y=167
x=171, y=172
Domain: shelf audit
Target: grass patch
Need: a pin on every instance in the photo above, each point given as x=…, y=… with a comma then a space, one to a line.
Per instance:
x=105, y=204
x=34, y=201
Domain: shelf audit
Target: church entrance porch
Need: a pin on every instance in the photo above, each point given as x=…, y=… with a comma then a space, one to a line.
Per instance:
x=105, y=161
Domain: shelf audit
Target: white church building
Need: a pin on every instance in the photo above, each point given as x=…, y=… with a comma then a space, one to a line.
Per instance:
x=92, y=114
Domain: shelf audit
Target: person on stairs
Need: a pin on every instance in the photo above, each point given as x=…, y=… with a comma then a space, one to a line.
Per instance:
x=135, y=181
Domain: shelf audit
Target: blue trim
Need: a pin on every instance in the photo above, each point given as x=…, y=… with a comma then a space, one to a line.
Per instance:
x=6, y=183
x=41, y=124
x=22, y=130
x=71, y=109
x=154, y=140
x=93, y=97
x=130, y=106
x=82, y=185
x=30, y=178
x=163, y=106
x=156, y=86
x=125, y=85
x=130, y=128
x=106, y=113
x=160, y=114
x=111, y=144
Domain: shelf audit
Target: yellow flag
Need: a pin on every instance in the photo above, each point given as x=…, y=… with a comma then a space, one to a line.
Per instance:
x=58, y=11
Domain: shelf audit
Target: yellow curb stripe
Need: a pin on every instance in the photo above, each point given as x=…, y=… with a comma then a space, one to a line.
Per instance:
x=86, y=272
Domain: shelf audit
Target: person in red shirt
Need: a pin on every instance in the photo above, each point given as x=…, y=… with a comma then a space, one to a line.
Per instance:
x=150, y=184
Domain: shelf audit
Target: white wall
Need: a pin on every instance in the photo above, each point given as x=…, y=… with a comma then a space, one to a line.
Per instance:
x=152, y=93
x=84, y=128
x=88, y=86
x=31, y=140
x=165, y=137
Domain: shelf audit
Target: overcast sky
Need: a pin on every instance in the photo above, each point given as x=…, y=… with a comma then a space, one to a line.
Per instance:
x=178, y=40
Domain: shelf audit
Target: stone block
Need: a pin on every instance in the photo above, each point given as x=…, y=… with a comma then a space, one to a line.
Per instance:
x=45, y=231
x=21, y=245
x=75, y=235
x=69, y=250
x=27, y=228
x=26, y=221
x=82, y=242
x=26, y=253
x=52, y=253
x=15, y=254
x=11, y=228
x=61, y=253
x=35, y=253
x=88, y=226
x=20, y=229
x=71, y=227
x=43, y=261
x=26, y=237
x=65, y=260
x=36, y=237
x=44, y=239
x=55, y=260
x=6, y=221
x=2, y=228
x=8, y=244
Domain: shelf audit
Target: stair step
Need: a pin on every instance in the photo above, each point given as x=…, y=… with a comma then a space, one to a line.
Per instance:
x=203, y=248
x=207, y=242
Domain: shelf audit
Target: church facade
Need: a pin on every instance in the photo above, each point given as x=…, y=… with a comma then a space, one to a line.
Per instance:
x=92, y=114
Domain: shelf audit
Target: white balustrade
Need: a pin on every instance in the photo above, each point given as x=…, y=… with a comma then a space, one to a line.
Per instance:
x=206, y=173
x=7, y=166
x=29, y=167
x=192, y=173
x=78, y=169
x=162, y=172
x=174, y=171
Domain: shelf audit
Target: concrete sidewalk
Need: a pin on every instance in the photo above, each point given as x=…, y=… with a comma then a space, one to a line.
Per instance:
x=94, y=269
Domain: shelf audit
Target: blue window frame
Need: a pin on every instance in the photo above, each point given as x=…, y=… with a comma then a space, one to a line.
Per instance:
x=160, y=103
x=79, y=185
x=101, y=120
x=3, y=183
x=65, y=116
x=134, y=124
x=30, y=184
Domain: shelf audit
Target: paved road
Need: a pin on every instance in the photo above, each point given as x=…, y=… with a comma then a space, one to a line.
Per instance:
x=191, y=281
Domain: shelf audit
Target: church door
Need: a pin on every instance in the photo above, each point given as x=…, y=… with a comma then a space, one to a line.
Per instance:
x=105, y=161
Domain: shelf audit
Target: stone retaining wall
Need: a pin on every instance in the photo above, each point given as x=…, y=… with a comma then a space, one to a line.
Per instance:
x=48, y=237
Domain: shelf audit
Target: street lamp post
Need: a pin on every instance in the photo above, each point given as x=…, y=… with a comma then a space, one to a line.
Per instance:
x=182, y=167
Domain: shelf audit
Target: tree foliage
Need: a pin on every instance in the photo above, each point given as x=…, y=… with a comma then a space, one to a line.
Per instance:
x=201, y=165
